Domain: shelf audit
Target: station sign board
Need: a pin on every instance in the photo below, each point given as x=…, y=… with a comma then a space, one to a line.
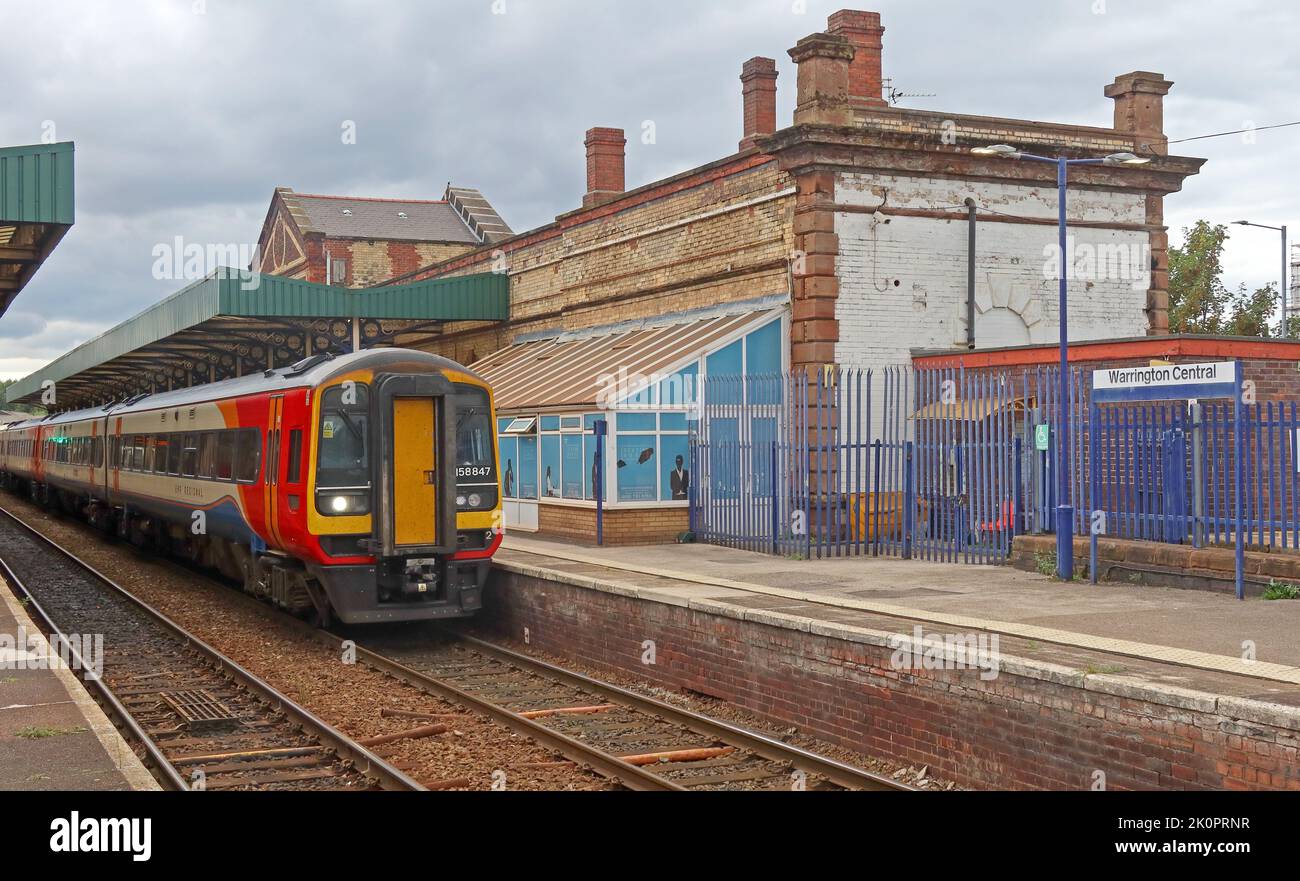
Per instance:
x=1165, y=382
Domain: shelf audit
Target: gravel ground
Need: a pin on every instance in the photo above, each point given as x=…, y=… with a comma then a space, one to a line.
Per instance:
x=350, y=697
x=719, y=709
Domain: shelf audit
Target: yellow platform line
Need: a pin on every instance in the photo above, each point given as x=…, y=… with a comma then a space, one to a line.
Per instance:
x=1129, y=648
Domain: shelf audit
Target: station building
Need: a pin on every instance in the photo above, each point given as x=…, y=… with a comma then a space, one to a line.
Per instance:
x=840, y=238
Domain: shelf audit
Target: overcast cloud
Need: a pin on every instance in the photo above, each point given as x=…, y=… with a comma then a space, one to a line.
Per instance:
x=185, y=122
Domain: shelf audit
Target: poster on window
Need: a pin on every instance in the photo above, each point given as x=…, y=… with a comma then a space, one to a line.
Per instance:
x=636, y=468
x=509, y=452
x=675, y=460
x=551, y=466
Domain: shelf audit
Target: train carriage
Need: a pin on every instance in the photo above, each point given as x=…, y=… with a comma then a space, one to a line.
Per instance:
x=361, y=487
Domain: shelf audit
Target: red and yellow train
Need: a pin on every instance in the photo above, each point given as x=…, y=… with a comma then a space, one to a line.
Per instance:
x=361, y=487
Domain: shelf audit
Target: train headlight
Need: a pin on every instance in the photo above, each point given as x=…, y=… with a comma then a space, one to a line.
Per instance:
x=339, y=502
x=477, y=499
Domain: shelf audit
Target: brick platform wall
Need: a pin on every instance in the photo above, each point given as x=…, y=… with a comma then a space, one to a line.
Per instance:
x=622, y=526
x=1033, y=727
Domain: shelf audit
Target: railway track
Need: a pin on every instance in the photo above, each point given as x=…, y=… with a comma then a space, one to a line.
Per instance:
x=683, y=749
x=202, y=721
x=636, y=741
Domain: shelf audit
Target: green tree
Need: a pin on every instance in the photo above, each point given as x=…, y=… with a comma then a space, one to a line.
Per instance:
x=1199, y=301
x=1197, y=296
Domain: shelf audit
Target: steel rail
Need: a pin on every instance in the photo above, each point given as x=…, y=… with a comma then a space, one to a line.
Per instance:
x=362, y=759
x=606, y=765
x=839, y=773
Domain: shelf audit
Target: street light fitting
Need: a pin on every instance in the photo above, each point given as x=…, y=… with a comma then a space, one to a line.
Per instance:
x=1125, y=159
x=1004, y=150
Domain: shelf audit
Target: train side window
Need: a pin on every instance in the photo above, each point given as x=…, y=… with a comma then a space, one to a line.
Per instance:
x=248, y=455
x=137, y=455
x=174, y=454
x=150, y=453
x=223, y=466
x=161, y=450
x=295, y=457
x=207, y=454
x=190, y=455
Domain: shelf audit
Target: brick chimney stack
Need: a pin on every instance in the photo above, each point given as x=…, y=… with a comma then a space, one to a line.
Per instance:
x=605, y=164
x=823, y=80
x=1140, y=108
x=864, y=31
x=759, y=78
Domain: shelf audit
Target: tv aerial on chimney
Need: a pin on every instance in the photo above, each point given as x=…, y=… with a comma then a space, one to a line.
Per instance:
x=892, y=94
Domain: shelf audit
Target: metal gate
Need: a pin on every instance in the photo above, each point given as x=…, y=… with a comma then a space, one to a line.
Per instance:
x=858, y=462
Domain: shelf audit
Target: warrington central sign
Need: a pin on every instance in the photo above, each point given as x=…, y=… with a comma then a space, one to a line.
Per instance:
x=1164, y=382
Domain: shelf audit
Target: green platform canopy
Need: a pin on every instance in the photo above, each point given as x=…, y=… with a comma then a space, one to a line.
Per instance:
x=234, y=322
x=36, y=210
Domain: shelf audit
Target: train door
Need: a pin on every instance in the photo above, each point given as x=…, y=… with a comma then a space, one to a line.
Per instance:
x=271, y=483
x=414, y=419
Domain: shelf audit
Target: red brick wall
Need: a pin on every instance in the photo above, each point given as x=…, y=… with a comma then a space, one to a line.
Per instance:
x=622, y=526
x=1014, y=732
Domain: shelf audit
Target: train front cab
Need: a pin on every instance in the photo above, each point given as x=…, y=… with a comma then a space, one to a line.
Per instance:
x=433, y=520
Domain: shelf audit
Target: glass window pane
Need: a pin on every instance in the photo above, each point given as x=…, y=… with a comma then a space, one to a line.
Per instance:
x=528, y=467
x=294, y=474
x=763, y=350
x=636, y=422
x=248, y=455
x=679, y=389
x=550, y=423
x=551, y=466
x=207, y=454
x=726, y=361
x=509, y=448
x=573, y=466
x=342, y=457
x=636, y=468
x=190, y=455
x=224, y=467
x=675, y=481
x=672, y=421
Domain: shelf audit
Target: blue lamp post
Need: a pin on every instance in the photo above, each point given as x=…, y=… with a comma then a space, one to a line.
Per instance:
x=1064, y=510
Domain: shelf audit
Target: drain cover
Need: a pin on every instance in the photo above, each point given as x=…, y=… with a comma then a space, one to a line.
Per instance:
x=199, y=709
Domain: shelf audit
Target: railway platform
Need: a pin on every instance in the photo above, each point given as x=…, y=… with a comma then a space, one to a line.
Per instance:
x=1079, y=686
x=53, y=736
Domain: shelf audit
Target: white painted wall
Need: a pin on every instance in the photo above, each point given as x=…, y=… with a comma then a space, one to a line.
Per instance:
x=903, y=282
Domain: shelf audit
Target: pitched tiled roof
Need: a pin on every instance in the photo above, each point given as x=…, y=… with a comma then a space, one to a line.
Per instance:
x=393, y=219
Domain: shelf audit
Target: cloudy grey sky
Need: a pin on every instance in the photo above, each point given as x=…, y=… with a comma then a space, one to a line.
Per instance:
x=187, y=115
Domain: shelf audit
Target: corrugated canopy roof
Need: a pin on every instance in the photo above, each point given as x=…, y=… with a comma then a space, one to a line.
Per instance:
x=36, y=209
x=574, y=370
x=234, y=321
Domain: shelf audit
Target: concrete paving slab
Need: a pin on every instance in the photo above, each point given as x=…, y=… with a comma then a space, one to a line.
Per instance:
x=53, y=736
